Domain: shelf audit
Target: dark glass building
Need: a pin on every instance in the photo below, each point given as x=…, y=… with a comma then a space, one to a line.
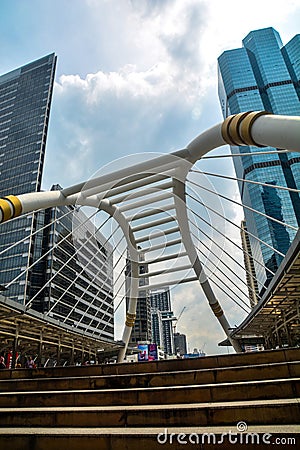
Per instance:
x=25, y=99
x=73, y=283
x=180, y=343
x=264, y=75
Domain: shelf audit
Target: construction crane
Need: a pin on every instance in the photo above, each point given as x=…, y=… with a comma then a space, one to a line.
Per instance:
x=179, y=317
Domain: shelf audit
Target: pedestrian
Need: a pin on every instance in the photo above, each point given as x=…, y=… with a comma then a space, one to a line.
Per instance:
x=30, y=364
x=2, y=362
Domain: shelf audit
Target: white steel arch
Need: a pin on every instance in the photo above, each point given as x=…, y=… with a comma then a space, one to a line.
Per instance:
x=132, y=193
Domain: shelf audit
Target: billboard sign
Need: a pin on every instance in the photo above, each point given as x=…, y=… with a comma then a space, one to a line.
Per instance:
x=147, y=352
x=152, y=352
x=143, y=354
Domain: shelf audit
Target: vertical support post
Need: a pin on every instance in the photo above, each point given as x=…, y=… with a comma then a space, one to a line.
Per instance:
x=279, y=343
x=72, y=354
x=40, y=347
x=15, y=348
x=82, y=355
x=58, y=351
x=131, y=313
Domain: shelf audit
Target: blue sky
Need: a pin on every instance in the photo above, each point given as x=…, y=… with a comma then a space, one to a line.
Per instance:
x=133, y=76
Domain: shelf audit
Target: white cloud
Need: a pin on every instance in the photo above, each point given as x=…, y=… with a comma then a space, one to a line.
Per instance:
x=108, y=115
x=163, y=84
x=198, y=322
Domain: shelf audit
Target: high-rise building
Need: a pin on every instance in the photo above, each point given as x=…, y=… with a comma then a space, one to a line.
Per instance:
x=73, y=283
x=25, y=99
x=162, y=320
x=264, y=75
x=180, y=343
x=249, y=266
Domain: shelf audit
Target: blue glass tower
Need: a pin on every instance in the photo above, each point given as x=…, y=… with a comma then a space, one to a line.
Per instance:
x=264, y=75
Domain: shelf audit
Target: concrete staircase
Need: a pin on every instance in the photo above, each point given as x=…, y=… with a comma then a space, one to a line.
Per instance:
x=153, y=405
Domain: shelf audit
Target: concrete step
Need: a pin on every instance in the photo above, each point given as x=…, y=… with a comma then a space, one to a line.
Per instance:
x=255, y=437
x=283, y=370
x=127, y=406
x=222, y=392
x=273, y=412
x=208, y=362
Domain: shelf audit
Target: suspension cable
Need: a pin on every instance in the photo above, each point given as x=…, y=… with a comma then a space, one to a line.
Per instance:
x=275, y=186
x=222, y=262
x=45, y=254
x=232, y=242
x=31, y=234
x=226, y=293
x=96, y=294
x=101, y=287
x=245, y=206
x=228, y=220
x=230, y=155
x=82, y=269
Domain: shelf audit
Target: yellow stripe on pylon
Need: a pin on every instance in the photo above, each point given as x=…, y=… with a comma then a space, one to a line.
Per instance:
x=237, y=129
x=130, y=319
x=217, y=310
x=10, y=207
x=5, y=209
x=17, y=205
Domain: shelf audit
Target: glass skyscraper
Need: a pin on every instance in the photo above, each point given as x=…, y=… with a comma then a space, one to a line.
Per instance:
x=25, y=99
x=73, y=283
x=264, y=75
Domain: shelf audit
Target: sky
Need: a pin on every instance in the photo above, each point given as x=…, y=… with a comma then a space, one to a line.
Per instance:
x=135, y=76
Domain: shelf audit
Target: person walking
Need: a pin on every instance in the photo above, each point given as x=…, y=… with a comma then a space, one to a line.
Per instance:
x=2, y=362
x=30, y=364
